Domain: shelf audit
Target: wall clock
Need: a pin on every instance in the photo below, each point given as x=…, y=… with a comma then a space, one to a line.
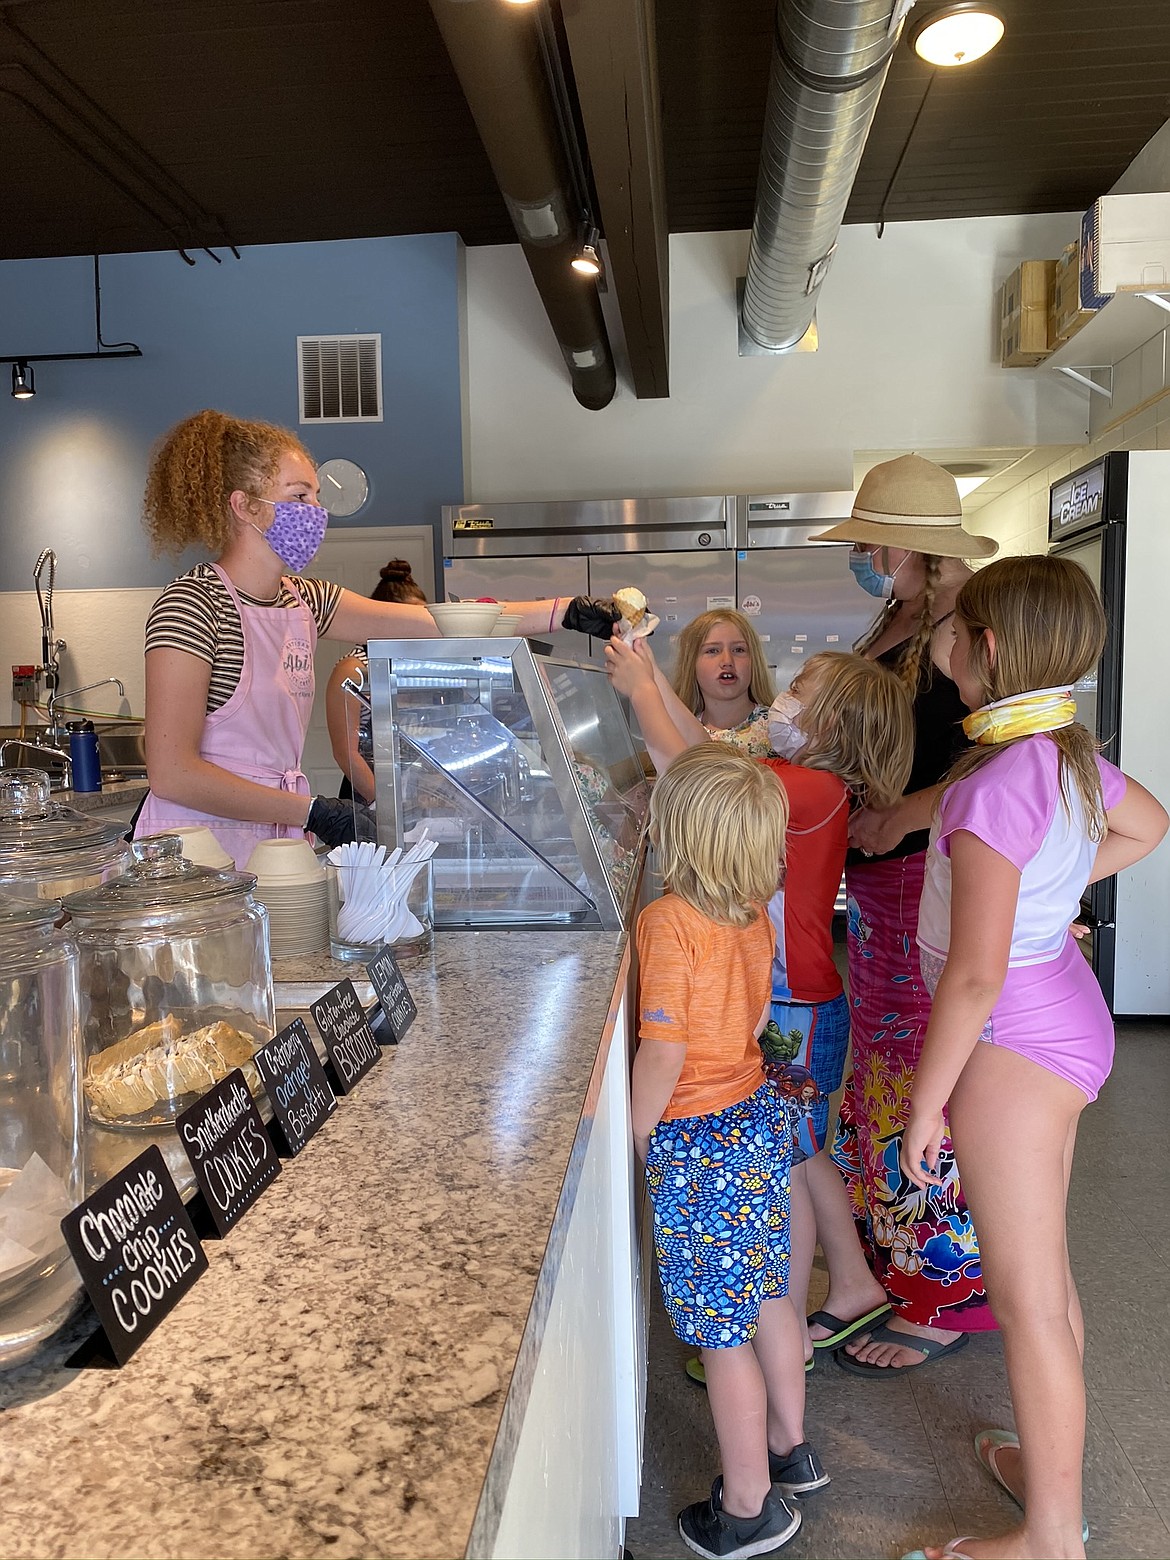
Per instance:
x=344, y=486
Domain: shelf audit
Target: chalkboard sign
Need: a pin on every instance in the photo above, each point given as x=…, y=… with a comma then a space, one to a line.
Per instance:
x=136, y=1250
x=352, y=1049
x=295, y=1082
x=224, y=1137
x=393, y=993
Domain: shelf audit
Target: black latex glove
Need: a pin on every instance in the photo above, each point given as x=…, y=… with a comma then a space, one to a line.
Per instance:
x=338, y=822
x=595, y=615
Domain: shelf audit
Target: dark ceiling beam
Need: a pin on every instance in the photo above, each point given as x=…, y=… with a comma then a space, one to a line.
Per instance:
x=615, y=68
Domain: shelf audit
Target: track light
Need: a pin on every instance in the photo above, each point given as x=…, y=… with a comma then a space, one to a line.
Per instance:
x=957, y=34
x=587, y=260
x=23, y=388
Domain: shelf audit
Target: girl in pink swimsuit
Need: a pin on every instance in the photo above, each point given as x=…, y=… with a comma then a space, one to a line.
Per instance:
x=1020, y=1039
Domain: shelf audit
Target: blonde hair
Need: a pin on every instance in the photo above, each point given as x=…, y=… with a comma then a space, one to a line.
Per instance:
x=859, y=725
x=690, y=642
x=914, y=657
x=1049, y=628
x=195, y=469
x=717, y=819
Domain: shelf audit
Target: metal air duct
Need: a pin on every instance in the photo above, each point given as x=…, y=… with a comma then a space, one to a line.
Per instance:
x=496, y=52
x=829, y=64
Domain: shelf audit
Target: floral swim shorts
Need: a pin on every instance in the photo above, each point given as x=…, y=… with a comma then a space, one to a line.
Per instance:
x=720, y=1188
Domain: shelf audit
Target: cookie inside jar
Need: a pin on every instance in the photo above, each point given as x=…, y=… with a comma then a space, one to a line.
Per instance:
x=176, y=983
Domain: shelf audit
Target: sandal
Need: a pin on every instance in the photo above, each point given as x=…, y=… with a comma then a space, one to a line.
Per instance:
x=987, y=1444
x=883, y=1334
x=840, y=1332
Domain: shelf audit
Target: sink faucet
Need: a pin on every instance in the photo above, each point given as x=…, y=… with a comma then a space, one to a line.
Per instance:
x=56, y=697
x=45, y=749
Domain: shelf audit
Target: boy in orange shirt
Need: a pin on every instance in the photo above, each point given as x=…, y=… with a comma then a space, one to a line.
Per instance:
x=716, y=1138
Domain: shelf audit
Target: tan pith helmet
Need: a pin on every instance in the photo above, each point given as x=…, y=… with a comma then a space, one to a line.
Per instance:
x=913, y=504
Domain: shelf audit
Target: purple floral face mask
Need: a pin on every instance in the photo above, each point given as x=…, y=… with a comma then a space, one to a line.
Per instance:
x=296, y=532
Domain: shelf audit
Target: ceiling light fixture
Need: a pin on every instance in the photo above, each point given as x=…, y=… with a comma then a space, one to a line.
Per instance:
x=587, y=260
x=22, y=379
x=957, y=34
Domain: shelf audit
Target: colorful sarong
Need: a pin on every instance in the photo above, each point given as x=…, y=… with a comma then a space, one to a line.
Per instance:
x=921, y=1244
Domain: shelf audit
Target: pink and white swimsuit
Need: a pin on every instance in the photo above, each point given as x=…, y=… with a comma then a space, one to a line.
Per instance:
x=1051, y=1008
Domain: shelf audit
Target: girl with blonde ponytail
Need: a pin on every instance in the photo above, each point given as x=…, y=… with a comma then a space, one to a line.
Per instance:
x=1020, y=1039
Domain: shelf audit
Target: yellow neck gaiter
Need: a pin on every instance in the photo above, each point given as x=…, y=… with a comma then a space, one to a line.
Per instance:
x=1023, y=715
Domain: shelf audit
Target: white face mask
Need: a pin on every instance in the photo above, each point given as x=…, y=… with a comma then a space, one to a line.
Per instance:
x=784, y=731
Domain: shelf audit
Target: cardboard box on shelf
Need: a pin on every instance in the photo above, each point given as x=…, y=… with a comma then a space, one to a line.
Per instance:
x=1066, y=314
x=1023, y=324
x=1125, y=246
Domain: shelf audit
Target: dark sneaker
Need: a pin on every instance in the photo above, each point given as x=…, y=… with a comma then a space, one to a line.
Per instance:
x=709, y=1530
x=800, y=1473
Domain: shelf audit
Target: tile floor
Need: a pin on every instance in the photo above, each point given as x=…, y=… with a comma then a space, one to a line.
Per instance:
x=900, y=1452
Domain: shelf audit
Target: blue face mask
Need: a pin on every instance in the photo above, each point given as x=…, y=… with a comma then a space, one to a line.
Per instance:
x=875, y=584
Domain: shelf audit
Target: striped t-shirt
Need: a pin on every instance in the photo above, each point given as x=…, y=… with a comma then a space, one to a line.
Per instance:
x=196, y=614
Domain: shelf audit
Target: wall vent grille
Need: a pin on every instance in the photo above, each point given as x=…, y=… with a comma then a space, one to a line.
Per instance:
x=340, y=378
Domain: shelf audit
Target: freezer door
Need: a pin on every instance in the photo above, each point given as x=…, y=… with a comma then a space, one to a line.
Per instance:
x=524, y=579
x=801, y=600
x=678, y=586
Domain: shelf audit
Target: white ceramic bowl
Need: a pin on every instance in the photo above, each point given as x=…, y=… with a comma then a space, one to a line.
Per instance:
x=465, y=619
x=281, y=860
x=507, y=625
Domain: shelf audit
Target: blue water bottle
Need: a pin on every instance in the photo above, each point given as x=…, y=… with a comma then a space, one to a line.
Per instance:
x=83, y=755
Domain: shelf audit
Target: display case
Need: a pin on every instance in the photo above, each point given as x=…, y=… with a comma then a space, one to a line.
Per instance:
x=522, y=767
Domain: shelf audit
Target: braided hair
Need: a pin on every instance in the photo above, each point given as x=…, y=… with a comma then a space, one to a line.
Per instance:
x=914, y=662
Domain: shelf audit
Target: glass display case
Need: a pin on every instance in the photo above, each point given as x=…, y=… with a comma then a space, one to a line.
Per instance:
x=522, y=767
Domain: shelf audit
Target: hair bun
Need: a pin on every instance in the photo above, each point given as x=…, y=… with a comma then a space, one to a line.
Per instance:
x=397, y=572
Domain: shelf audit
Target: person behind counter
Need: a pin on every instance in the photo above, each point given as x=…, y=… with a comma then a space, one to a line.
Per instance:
x=349, y=720
x=909, y=547
x=229, y=644
x=722, y=676
x=714, y=1136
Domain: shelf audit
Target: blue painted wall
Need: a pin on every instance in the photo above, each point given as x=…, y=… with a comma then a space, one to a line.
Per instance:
x=73, y=459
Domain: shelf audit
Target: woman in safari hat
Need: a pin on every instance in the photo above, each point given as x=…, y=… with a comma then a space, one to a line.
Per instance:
x=908, y=550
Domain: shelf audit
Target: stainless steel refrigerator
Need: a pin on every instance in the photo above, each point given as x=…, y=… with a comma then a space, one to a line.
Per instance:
x=689, y=555
x=1113, y=518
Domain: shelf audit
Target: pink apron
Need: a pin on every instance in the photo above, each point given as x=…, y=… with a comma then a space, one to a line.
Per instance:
x=259, y=733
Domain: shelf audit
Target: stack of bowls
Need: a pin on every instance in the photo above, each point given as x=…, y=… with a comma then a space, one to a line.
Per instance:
x=507, y=626
x=465, y=619
x=291, y=884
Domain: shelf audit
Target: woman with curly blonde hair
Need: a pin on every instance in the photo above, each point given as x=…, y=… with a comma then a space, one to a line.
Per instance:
x=229, y=644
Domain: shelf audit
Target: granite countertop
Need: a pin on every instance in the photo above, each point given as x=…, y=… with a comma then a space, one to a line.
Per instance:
x=114, y=793
x=335, y=1382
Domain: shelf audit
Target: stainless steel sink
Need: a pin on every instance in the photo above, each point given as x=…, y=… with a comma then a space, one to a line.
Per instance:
x=121, y=749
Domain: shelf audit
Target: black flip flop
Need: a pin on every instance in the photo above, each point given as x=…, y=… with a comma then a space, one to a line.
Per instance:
x=883, y=1334
x=840, y=1332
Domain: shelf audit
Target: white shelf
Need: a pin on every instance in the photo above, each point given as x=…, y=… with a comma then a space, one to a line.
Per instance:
x=1126, y=322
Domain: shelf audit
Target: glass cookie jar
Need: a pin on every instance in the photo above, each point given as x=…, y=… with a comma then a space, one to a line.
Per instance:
x=48, y=850
x=176, y=981
x=42, y=1171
